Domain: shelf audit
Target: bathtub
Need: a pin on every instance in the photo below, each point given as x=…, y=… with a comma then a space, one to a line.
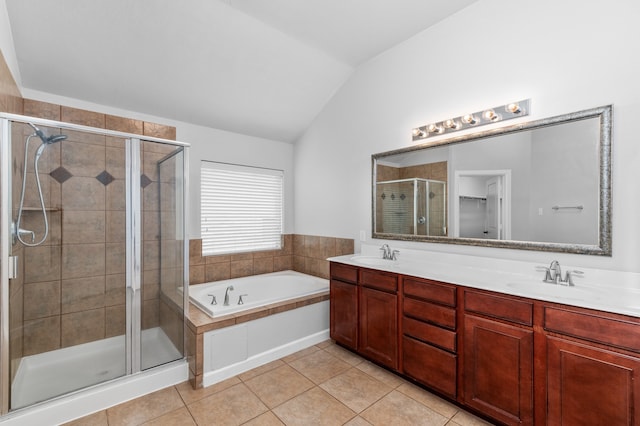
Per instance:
x=256, y=291
x=249, y=343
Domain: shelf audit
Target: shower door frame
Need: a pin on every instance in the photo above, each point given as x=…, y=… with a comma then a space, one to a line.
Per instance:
x=133, y=243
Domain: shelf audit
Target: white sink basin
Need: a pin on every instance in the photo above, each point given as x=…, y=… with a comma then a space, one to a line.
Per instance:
x=556, y=290
x=373, y=261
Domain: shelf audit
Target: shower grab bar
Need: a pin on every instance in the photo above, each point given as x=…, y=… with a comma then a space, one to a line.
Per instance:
x=568, y=208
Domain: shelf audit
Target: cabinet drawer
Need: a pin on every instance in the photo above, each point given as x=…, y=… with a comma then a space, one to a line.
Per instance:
x=594, y=327
x=430, y=290
x=430, y=366
x=430, y=312
x=445, y=339
x=379, y=280
x=501, y=307
x=344, y=272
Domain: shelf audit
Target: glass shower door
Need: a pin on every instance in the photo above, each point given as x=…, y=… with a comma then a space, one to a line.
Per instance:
x=162, y=338
x=95, y=292
x=67, y=309
x=437, y=208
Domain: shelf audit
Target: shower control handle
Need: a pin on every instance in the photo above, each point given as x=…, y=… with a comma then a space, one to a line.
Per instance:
x=20, y=232
x=213, y=299
x=240, y=300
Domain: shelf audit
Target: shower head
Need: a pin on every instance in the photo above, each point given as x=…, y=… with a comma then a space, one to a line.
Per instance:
x=47, y=140
x=55, y=138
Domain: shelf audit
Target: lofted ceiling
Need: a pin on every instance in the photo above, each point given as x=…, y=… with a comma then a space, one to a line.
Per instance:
x=258, y=67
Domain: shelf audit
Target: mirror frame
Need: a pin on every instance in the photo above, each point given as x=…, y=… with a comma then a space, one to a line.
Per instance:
x=603, y=248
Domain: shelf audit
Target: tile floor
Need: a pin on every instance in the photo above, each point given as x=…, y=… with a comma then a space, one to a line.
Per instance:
x=321, y=385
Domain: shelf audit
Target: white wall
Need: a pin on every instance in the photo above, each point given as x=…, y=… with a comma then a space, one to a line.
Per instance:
x=566, y=56
x=206, y=144
x=565, y=162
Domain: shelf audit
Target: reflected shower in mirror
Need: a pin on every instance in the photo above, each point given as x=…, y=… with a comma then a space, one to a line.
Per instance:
x=543, y=185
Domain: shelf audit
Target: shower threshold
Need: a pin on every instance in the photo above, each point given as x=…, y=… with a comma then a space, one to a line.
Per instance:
x=55, y=373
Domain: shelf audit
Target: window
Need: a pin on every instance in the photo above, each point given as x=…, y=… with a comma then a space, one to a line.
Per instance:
x=241, y=208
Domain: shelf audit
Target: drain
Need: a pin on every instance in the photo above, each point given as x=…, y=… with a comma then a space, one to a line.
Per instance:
x=103, y=373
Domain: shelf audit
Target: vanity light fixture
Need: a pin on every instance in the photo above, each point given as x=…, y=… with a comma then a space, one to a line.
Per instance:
x=478, y=118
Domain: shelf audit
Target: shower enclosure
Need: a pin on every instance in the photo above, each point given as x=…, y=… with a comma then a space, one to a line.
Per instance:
x=93, y=257
x=412, y=206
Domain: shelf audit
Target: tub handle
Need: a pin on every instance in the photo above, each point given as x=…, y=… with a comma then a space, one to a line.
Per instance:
x=240, y=300
x=213, y=299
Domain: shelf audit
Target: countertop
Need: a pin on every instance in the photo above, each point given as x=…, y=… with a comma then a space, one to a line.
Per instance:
x=610, y=291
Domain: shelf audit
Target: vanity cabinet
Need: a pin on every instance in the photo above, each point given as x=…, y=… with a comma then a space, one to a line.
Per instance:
x=498, y=356
x=364, y=312
x=429, y=346
x=592, y=367
x=343, y=302
x=486, y=350
x=378, y=317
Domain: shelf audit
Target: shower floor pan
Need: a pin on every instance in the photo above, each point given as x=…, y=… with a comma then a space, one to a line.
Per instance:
x=50, y=374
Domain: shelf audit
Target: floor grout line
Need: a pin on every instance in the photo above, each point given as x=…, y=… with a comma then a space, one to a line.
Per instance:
x=330, y=354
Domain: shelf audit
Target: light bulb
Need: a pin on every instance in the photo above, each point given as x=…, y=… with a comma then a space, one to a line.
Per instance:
x=469, y=119
x=451, y=124
x=418, y=133
x=513, y=108
x=433, y=128
x=490, y=115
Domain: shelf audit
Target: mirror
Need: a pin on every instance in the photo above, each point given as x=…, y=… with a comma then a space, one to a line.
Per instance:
x=543, y=185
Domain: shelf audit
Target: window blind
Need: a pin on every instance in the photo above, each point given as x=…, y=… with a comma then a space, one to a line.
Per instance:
x=241, y=208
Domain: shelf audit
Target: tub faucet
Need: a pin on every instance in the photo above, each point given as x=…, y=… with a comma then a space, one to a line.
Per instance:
x=226, y=295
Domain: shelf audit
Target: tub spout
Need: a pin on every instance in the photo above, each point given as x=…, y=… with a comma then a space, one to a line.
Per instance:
x=226, y=295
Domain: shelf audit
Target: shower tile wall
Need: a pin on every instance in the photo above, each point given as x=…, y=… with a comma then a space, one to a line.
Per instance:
x=10, y=98
x=74, y=284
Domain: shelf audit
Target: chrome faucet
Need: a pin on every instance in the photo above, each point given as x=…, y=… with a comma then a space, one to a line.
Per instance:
x=553, y=274
x=226, y=295
x=394, y=254
x=386, y=251
x=388, y=254
x=556, y=271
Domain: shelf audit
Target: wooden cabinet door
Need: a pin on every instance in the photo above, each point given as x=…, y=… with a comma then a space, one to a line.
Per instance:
x=429, y=365
x=344, y=313
x=591, y=386
x=498, y=370
x=378, y=331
